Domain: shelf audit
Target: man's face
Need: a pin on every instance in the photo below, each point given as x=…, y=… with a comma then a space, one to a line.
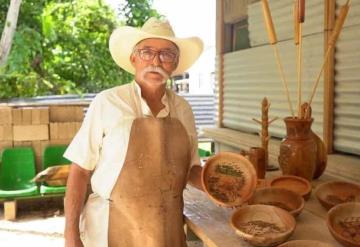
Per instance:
x=154, y=60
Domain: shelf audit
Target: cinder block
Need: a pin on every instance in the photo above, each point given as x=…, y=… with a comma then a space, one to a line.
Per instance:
x=66, y=113
x=54, y=131
x=44, y=115
x=6, y=133
x=63, y=131
x=5, y=115
x=60, y=142
x=26, y=116
x=22, y=143
x=31, y=132
x=17, y=116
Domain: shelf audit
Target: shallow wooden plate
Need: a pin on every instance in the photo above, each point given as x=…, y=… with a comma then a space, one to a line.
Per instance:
x=335, y=192
x=294, y=183
x=229, y=179
x=279, y=197
x=343, y=221
x=305, y=243
x=263, y=225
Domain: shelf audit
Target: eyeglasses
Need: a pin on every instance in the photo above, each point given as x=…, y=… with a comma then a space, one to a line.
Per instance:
x=164, y=55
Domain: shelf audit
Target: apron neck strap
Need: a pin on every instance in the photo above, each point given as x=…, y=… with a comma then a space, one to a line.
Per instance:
x=136, y=98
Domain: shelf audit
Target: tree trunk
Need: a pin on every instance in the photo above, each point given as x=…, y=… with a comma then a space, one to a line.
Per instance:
x=9, y=30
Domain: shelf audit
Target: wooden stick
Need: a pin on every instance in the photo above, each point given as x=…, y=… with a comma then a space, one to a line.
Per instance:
x=335, y=35
x=299, y=70
x=268, y=22
x=273, y=40
x=285, y=84
x=300, y=18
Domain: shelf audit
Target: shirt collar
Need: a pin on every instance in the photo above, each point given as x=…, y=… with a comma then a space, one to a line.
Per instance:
x=145, y=107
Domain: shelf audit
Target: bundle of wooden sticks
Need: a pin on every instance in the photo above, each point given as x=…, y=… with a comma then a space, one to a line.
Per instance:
x=299, y=18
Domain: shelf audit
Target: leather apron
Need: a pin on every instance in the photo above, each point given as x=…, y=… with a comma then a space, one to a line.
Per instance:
x=146, y=203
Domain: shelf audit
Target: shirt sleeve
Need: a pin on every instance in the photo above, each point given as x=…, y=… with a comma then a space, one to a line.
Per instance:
x=84, y=149
x=189, y=123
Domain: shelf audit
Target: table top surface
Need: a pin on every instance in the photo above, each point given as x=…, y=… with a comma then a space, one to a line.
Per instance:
x=210, y=222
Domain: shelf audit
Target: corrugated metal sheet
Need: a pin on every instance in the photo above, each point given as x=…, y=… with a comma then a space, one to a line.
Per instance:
x=347, y=84
x=251, y=74
x=282, y=14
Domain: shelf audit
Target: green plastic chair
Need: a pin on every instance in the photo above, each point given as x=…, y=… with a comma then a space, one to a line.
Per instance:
x=16, y=172
x=53, y=156
x=203, y=153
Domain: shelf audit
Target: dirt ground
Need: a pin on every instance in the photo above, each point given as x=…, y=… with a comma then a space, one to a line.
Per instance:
x=39, y=223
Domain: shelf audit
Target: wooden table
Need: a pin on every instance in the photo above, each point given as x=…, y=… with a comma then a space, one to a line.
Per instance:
x=211, y=222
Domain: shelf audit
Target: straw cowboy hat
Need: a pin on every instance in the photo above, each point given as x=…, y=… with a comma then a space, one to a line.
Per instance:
x=123, y=40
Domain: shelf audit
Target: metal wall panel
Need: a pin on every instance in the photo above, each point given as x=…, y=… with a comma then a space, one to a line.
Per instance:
x=251, y=74
x=347, y=83
x=282, y=14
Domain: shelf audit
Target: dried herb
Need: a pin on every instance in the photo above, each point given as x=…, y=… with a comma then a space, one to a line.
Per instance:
x=351, y=228
x=333, y=199
x=259, y=227
x=228, y=169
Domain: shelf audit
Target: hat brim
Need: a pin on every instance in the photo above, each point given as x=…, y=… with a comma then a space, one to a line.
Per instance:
x=123, y=40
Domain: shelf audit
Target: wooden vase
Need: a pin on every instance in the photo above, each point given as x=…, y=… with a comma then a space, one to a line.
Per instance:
x=298, y=150
x=321, y=156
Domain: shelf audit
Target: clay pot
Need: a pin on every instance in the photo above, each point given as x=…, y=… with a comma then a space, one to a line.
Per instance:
x=298, y=149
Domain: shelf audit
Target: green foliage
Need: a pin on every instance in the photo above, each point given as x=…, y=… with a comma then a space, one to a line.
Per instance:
x=62, y=47
x=133, y=12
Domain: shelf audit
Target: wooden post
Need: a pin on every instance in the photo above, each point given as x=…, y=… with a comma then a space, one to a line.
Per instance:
x=264, y=135
x=10, y=210
x=328, y=121
x=220, y=53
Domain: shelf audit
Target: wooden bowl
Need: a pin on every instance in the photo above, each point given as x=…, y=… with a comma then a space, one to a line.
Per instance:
x=332, y=193
x=263, y=225
x=343, y=221
x=229, y=179
x=279, y=197
x=294, y=183
x=305, y=243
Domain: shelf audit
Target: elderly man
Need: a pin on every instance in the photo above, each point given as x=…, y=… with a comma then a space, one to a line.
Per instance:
x=138, y=144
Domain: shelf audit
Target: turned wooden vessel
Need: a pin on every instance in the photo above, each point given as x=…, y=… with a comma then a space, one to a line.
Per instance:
x=298, y=149
x=229, y=179
x=305, y=243
x=343, y=222
x=279, y=197
x=263, y=225
x=333, y=193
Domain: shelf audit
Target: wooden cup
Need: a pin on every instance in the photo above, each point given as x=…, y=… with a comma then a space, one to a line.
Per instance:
x=257, y=158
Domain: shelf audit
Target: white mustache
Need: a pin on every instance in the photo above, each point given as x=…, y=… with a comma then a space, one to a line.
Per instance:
x=155, y=69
